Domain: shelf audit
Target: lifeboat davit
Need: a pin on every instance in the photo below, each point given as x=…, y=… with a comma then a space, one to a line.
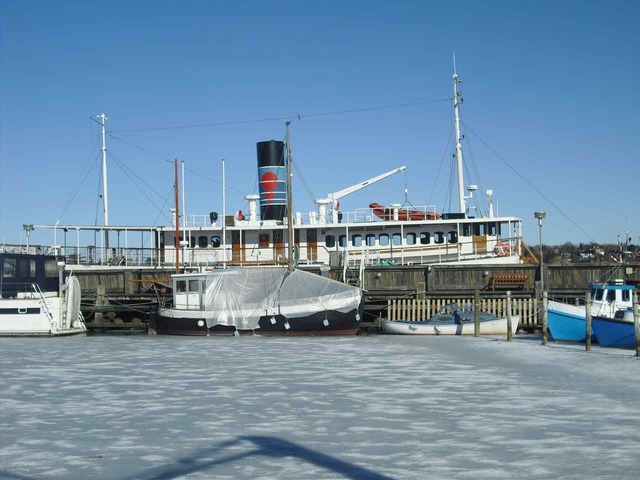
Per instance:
x=386, y=213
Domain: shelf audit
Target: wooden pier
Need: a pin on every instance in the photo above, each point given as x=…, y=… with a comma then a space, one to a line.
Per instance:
x=116, y=299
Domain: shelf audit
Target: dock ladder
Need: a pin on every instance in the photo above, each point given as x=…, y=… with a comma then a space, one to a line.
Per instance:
x=353, y=274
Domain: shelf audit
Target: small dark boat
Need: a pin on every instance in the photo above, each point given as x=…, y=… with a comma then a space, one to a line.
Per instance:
x=260, y=301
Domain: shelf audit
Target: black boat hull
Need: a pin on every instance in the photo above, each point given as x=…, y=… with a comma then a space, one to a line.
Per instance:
x=320, y=323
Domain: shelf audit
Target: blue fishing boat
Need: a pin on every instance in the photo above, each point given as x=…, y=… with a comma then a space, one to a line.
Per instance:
x=567, y=322
x=618, y=331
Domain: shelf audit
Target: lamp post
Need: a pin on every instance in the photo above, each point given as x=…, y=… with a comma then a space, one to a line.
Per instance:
x=540, y=216
x=27, y=229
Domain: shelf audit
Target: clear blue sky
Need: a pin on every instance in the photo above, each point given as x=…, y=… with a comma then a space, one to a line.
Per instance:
x=549, y=86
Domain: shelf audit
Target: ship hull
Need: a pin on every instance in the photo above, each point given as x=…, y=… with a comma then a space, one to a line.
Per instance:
x=616, y=332
x=567, y=322
x=175, y=322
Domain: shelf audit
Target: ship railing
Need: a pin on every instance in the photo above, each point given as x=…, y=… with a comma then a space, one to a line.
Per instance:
x=32, y=249
x=359, y=215
x=196, y=221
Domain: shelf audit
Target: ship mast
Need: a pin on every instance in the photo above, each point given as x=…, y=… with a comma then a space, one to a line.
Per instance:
x=290, y=238
x=177, y=215
x=184, y=216
x=224, y=219
x=105, y=196
x=457, y=99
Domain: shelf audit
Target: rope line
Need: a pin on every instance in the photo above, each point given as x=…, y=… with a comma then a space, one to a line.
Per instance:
x=297, y=116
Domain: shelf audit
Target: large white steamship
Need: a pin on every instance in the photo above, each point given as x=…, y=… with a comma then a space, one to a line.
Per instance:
x=374, y=235
x=387, y=235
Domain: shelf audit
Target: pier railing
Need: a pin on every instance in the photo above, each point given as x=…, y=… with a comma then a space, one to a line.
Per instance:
x=415, y=310
x=115, y=257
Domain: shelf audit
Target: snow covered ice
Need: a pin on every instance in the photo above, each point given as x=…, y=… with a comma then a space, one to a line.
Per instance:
x=365, y=407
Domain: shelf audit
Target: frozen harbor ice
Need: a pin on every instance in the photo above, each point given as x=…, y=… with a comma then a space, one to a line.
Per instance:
x=366, y=407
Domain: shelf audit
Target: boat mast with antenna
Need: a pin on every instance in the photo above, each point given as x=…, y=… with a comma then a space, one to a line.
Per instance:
x=185, y=239
x=224, y=219
x=290, y=238
x=457, y=99
x=177, y=215
x=105, y=193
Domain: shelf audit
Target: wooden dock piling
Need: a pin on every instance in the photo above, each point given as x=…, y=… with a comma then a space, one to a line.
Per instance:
x=587, y=326
x=509, y=321
x=545, y=306
x=476, y=313
x=636, y=321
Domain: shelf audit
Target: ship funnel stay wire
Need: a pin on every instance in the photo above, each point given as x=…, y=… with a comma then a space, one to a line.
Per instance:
x=304, y=183
x=130, y=175
x=169, y=161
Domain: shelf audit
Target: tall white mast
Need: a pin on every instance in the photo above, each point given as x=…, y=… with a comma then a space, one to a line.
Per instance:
x=224, y=219
x=105, y=196
x=184, y=209
x=290, y=236
x=456, y=102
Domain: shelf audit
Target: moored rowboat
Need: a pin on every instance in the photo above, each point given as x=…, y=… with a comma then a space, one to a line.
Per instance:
x=451, y=321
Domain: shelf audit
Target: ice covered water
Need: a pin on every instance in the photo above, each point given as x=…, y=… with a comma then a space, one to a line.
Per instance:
x=366, y=407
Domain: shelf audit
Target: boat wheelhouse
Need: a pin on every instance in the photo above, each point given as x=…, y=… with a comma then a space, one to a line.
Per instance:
x=34, y=299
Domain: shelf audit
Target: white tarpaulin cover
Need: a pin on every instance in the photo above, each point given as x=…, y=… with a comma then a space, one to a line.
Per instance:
x=240, y=296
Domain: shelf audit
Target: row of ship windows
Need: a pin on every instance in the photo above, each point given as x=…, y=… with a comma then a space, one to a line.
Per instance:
x=370, y=239
x=423, y=238
x=384, y=239
x=204, y=242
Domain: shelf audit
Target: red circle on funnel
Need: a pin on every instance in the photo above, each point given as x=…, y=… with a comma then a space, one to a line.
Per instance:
x=269, y=181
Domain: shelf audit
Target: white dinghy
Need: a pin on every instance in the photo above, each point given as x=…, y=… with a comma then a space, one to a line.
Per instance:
x=451, y=320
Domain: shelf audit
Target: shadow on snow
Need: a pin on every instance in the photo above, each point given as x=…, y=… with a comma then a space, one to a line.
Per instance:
x=271, y=447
